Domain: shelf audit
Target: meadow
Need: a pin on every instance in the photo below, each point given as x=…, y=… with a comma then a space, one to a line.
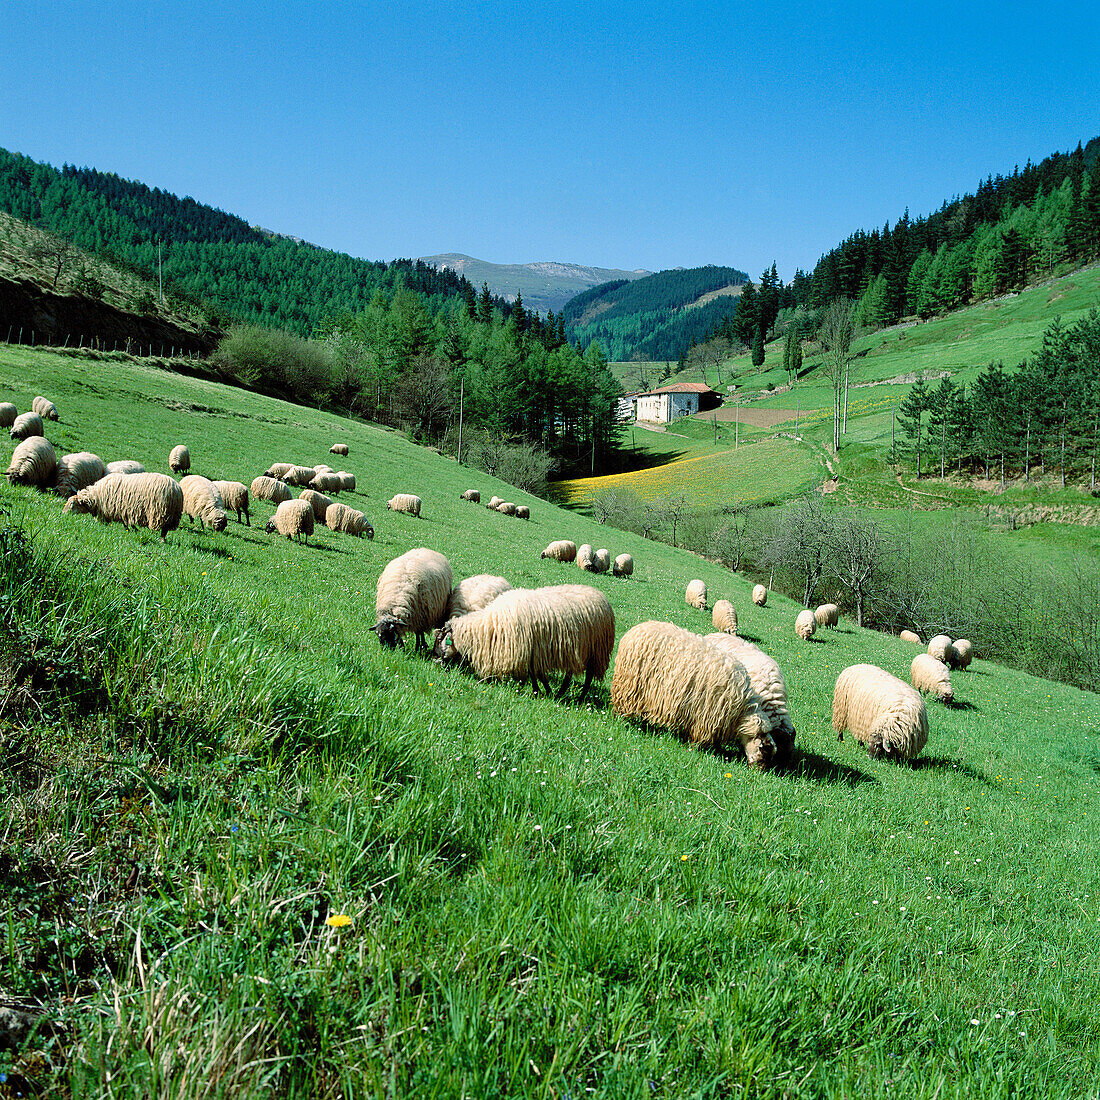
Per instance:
x=248, y=852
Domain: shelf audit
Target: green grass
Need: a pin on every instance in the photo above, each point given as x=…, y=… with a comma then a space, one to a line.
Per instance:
x=206, y=754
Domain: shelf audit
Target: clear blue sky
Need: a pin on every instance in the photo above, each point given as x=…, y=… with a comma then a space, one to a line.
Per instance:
x=633, y=135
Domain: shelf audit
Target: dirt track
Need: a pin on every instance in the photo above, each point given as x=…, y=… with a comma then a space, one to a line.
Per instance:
x=758, y=418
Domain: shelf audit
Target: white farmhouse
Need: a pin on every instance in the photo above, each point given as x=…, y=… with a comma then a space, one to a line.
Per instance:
x=667, y=403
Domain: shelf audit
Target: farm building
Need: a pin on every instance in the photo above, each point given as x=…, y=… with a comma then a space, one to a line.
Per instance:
x=669, y=402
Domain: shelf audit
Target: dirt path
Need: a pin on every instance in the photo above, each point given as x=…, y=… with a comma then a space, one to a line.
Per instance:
x=756, y=418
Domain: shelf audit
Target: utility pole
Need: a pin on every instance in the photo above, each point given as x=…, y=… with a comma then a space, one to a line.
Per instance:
x=461, y=394
x=160, y=274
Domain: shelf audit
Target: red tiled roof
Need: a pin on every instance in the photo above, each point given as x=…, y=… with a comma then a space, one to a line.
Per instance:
x=681, y=387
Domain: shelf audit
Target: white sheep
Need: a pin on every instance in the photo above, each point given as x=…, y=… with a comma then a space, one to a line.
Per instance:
x=881, y=711
x=269, y=488
x=326, y=481
x=474, y=593
x=670, y=677
x=412, y=596
x=562, y=550
x=299, y=476
x=910, y=636
x=347, y=481
x=75, y=471
x=293, y=518
x=805, y=624
x=964, y=653
x=404, y=502
x=586, y=558
x=472, y=495
x=601, y=561
x=696, y=595
x=759, y=595
x=318, y=502
x=339, y=449
x=27, y=425
x=506, y=508
x=349, y=521
x=941, y=648
x=179, y=461
x=125, y=466
x=931, y=676
x=234, y=496
x=827, y=614
x=527, y=633
x=623, y=566
x=134, y=500
x=523, y=511
x=203, y=502
x=279, y=470
x=45, y=408
x=724, y=617
x=8, y=413
x=33, y=462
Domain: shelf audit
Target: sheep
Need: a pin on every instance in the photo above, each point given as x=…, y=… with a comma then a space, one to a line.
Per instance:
x=347, y=481
x=506, y=508
x=75, y=471
x=33, y=462
x=964, y=653
x=527, y=633
x=724, y=617
x=602, y=561
x=910, y=636
x=928, y=674
x=293, y=518
x=941, y=648
x=45, y=408
x=268, y=488
x=349, y=521
x=339, y=449
x=493, y=502
x=472, y=495
x=623, y=566
x=523, y=511
x=125, y=466
x=696, y=595
x=134, y=500
x=586, y=558
x=8, y=413
x=768, y=683
x=203, y=502
x=805, y=625
x=179, y=461
x=27, y=425
x=760, y=595
x=670, y=677
x=326, y=481
x=299, y=475
x=279, y=470
x=234, y=496
x=404, y=502
x=881, y=711
x=474, y=593
x=562, y=550
x=828, y=614
x=318, y=502
x=412, y=596
x=321, y=468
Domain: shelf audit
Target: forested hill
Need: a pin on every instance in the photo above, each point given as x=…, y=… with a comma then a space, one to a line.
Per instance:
x=235, y=270
x=658, y=317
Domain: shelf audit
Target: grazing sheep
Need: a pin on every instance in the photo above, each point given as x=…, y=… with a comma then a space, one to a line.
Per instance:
x=562, y=550
x=348, y=521
x=696, y=595
x=805, y=625
x=234, y=496
x=523, y=511
x=293, y=518
x=78, y=470
x=472, y=495
x=881, y=711
x=601, y=561
x=179, y=461
x=326, y=481
x=928, y=674
x=760, y=595
x=493, y=502
x=318, y=502
x=586, y=558
x=33, y=462
x=527, y=633
x=768, y=683
x=404, y=502
x=8, y=413
x=474, y=593
x=27, y=425
x=623, y=566
x=673, y=678
x=909, y=636
x=299, y=475
x=125, y=466
x=134, y=500
x=412, y=596
x=269, y=488
x=203, y=502
x=941, y=648
x=506, y=508
x=279, y=470
x=724, y=617
x=339, y=449
x=321, y=468
x=347, y=481
x=964, y=653
x=828, y=614
x=45, y=408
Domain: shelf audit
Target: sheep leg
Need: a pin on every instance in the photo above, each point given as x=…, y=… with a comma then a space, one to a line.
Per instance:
x=546, y=685
x=566, y=682
x=534, y=683
x=587, y=684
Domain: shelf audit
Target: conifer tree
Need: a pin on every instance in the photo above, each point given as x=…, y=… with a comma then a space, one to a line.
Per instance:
x=910, y=415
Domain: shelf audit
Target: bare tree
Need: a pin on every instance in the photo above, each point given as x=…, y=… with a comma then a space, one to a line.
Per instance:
x=858, y=551
x=424, y=396
x=728, y=541
x=835, y=332
x=801, y=542
x=672, y=512
x=54, y=252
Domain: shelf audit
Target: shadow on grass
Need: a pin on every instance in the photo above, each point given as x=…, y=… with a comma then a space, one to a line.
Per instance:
x=962, y=704
x=946, y=764
x=808, y=765
x=213, y=551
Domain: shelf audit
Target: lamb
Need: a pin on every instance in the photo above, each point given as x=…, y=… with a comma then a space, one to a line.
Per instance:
x=33, y=462
x=318, y=502
x=562, y=550
x=623, y=566
x=134, y=500
x=293, y=518
x=881, y=711
x=349, y=521
x=602, y=561
x=527, y=633
x=474, y=593
x=910, y=636
x=696, y=595
x=760, y=595
x=768, y=683
x=941, y=648
x=279, y=470
x=27, y=425
x=347, y=481
x=299, y=475
x=928, y=674
x=268, y=488
x=472, y=495
x=805, y=625
x=326, y=481
x=45, y=409
x=586, y=558
x=404, y=502
x=179, y=461
x=412, y=596
x=234, y=496
x=523, y=511
x=125, y=466
x=670, y=677
x=8, y=413
x=203, y=502
x=75, y=471
x=964, y=653
x=493, y=502
x=828, y=614
x=506, y=508
x=339, y=449
x=724, y=617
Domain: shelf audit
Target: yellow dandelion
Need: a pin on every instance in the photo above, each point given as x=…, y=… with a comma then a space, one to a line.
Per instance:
x=682, y=858
x=729, y=775
x=338, y=920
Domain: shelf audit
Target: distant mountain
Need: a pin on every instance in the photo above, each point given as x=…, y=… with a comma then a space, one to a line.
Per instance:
x=544, y=286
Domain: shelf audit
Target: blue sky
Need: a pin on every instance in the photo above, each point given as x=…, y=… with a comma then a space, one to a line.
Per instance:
x=633, y=135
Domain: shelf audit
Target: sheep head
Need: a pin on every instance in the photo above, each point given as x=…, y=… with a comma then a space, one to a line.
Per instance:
x=390, y=631
x=443, y=645
x=78, y=504
x=368, y=530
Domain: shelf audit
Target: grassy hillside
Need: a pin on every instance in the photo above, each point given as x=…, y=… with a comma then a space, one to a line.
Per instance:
x=208, y=759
